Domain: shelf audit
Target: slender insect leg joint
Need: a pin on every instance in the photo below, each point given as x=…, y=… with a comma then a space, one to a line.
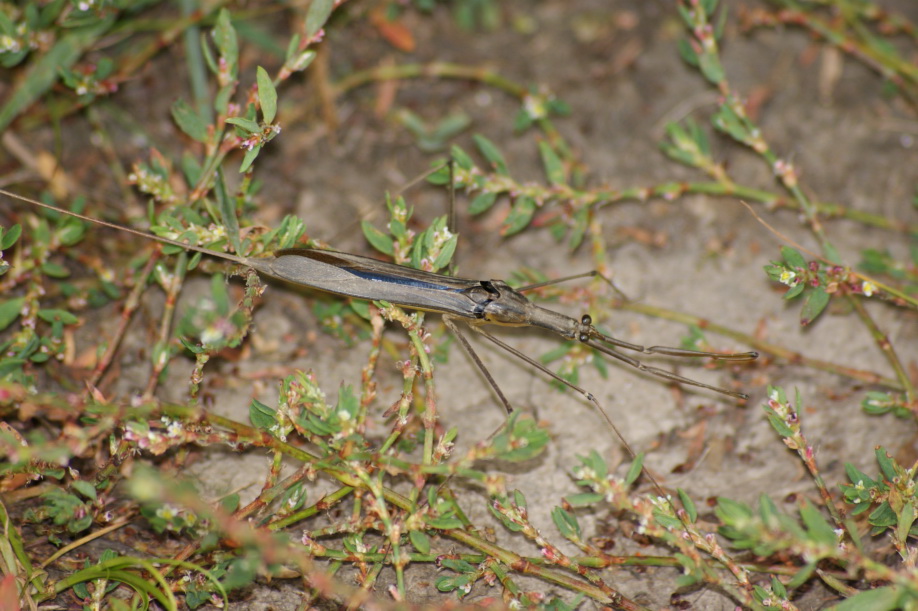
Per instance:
x=587, y=334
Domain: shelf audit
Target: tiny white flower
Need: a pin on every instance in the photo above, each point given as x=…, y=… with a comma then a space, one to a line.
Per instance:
x=211, y=335
x=787, y=277
x=535, y=107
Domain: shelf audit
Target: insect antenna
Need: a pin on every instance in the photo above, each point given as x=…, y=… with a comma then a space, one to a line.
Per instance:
x=590, y=274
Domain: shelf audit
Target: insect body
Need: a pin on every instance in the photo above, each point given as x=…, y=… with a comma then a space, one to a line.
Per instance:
x=475, y=302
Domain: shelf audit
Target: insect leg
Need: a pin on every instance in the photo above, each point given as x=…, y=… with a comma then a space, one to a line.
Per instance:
x=662, y=373
x=449, y=321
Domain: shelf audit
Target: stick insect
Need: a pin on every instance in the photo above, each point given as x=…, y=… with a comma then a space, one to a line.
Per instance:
x=459, y=300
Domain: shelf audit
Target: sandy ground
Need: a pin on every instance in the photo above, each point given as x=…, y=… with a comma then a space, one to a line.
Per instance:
x=617, y=66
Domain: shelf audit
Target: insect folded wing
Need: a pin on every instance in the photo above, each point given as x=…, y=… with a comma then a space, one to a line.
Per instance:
x=365, y=278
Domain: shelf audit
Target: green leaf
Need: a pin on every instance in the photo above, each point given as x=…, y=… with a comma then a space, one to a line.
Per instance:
x=241, y=572
x=711, y=68
x=85, y=488
x=230, y=503
x=461, y=158
x=446, y=253
x=880, y=403
x=440, y=173
x=80, y=524
x=876, y=261
x=726, y=120
x=688, y=504
x=45, y=70
x=778, y=423
x=635, y=470
x=54, y=270
x=687, y=52
x=482, y=202
x=584, y=499
x=71, y=232
x=558, y=352
x=450, y=127
x=802, y=576
x=818, y=527
x=732, y=512
x=10, y=236
x=377, y=238
x=361, y=308
x=507, y=522
x=267, y=95
x=883, y=516
x=219, y=294
x=815, y=302
x=190, y=121
x=191, y=347
x=420, y=541
x=492, y=154
x=520, y=439
x=261, y=416
x=792, y=257
x=579, y=225
x=227, y=211
x=293, y=48
x=10, y=365
x=319, y=12
x=347, y=403
x=443, y=523
x=887, y=465
x=856, y=476
x=226, y=41
x=699, y=138
x=778, y=588
x=449, y=583
x=886, y=598
x=559, y=107
x=223, y=97
x=832, y=254
x=720, y=24
x=52, y=315
x=597, y=465
x=301, y=61
x=249, y=159
x=554, y=169
x=520, y=215
x=795, y=290
x=247, y=125
x=906, y=519
x=566, y=523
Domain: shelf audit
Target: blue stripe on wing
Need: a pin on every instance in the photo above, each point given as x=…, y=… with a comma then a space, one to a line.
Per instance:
x=400, y=280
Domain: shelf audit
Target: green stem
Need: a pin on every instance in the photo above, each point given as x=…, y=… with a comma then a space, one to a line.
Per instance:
x=885, y=346
x=430, y=402
x=433, y=70
x=172, y=292
x=511, y=559
x=322, y=505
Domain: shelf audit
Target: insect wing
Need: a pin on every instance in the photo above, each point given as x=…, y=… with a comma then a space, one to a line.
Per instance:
x=366, y=278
